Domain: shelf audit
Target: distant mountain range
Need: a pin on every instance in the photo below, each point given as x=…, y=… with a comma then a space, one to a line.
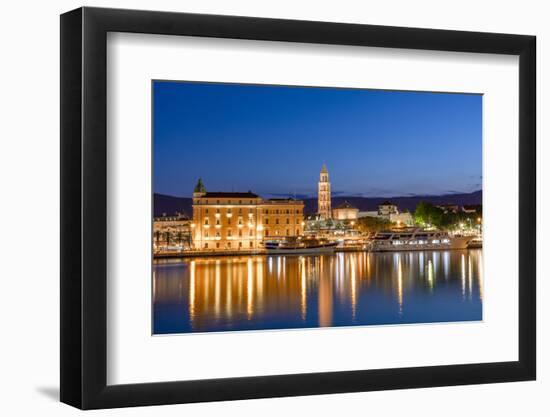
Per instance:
x=166, y=204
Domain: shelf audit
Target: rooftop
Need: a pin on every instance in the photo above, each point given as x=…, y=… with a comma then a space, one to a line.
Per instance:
x=283, y=200
x=345, y=205
x=223, y=194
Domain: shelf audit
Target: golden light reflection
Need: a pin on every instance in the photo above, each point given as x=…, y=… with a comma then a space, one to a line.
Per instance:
x=222, y=293
x=249, y=289
x=353, y=294
x=470, y=277
x=400, y=285
x=446, y=264
x=154, y=285
x=260, y=281
x=303, y=287
x=463, y=274
x=217, y=288
x=192, y=290
x=430, y=274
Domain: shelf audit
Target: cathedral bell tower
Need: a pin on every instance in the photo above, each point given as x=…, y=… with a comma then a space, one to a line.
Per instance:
x=324, y=199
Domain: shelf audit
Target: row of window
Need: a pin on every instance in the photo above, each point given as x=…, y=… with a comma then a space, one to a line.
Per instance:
x=240, y=222
x=230, y=234
x=265, y=211
x=250, y=233
x=226, y=201
x=228, y=245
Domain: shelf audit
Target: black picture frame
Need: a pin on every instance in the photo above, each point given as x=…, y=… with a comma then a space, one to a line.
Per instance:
x=84, y=207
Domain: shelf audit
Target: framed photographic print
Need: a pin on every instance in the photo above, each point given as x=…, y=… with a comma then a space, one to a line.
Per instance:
x=257, y=208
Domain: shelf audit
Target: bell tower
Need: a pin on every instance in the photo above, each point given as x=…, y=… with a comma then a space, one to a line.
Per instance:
x=324, y=199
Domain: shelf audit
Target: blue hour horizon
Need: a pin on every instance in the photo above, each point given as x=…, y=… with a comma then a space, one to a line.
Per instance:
x=273, y=140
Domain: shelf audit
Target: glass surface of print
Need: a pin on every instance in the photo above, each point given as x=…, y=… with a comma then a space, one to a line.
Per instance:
x=279, y=207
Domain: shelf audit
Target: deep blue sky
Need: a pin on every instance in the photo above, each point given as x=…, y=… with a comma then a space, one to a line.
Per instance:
x=273, y=140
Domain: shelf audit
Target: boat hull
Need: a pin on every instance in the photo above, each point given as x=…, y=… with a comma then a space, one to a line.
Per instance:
x=454, y=243
x=301, y=251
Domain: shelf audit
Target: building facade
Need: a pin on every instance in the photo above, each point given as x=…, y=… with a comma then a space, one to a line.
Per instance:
x=236, y=220
x=389, y=211
x=387, y=208
x=171, y=233
x=323, y=195
x=345, y=211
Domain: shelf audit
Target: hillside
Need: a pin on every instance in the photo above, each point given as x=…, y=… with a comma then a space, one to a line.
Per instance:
x=170, y=204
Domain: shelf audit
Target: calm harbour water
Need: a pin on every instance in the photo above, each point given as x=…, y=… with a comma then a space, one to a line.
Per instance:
x=344, y=289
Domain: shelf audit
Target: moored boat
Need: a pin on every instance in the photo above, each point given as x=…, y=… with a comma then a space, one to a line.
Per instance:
x=300, y=246
x=476, y=243
x=417, y=239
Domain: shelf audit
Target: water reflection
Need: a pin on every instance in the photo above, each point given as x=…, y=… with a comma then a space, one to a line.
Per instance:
x=267, y=292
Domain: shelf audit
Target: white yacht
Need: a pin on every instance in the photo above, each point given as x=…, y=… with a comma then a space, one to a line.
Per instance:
x=416, y=239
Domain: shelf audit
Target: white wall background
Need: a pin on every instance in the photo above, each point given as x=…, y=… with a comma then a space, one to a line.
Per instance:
x=29, y=175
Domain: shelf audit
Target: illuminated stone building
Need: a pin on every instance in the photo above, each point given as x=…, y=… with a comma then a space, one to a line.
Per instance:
x=345, y=211
x=323, y=195
x=387, y=208
x=242, y=220
x=171, y=232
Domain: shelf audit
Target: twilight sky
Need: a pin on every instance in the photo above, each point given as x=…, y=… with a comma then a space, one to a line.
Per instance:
x=273, y=140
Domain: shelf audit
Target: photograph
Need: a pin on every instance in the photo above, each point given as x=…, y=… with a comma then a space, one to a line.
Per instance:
x=287, y=207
